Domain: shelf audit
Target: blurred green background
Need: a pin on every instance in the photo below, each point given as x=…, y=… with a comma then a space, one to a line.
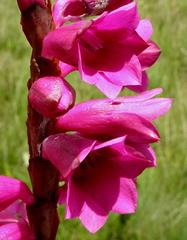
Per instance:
x=162, y=211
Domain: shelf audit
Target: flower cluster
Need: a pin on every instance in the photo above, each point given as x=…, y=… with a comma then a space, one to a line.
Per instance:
x=100, y=146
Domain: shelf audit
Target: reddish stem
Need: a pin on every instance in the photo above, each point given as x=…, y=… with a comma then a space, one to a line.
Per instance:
x=43, y=216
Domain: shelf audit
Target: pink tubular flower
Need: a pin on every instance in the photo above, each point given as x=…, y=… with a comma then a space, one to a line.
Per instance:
x=111, y=51
x=14, y=194
x=25, y=4
x=99, y=176
x=105, y=118
x=51, y=96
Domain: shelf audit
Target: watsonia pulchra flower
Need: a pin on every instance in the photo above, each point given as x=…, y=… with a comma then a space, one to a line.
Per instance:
x=96, y=148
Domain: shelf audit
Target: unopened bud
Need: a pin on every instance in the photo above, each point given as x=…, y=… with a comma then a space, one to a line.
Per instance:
x=51, y=96
x=25, y=4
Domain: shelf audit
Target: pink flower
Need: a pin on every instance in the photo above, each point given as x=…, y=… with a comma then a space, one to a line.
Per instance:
x=105, y=118
x=99, y=176
x=51, y=96
x=111, y=51
x=14, y=195
x=25, y=4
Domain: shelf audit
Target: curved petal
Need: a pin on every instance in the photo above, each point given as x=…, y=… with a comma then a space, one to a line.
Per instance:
x=150, y=109
x=16, y=231
x=130, y=160
x=146, y=95
x=149, y=56
x=129, y=74
x=66, y=68
x=145, y=29
x=109, y=143
x=75, y=200
x=126, y=202
x=12, y=190
x=92, y=220
x=123, y=17
x=106, y=86
x=61, y=43
x=56, y=148
x=148, y=153
x=77, y=207
x=107, y=120
x=144, y=84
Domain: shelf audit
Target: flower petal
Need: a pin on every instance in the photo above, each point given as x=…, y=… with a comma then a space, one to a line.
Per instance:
x=108, y=120
x=75, y=200
x=56, y=148
x=106, y=86
x=123, y=17
x=92, y=76
x=61, y=43
x=145, y=29
x=144, y=84
x=146, y=95
x=109, y=143
x=129, y=74
x=14, y=213
x=126, y=202
x=12, y=190
x=149, y=56
x=92, y=220
x=16, y=231
x=130, y=160
x=150, y=109
x=66, y=68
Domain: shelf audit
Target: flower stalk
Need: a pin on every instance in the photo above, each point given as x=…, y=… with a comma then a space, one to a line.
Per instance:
x=43, y=217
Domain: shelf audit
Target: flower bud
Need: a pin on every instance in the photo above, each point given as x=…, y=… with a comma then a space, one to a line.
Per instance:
x=25, y=4
x=51, y=96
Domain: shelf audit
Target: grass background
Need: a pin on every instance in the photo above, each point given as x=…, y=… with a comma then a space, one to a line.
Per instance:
x=162, y=211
